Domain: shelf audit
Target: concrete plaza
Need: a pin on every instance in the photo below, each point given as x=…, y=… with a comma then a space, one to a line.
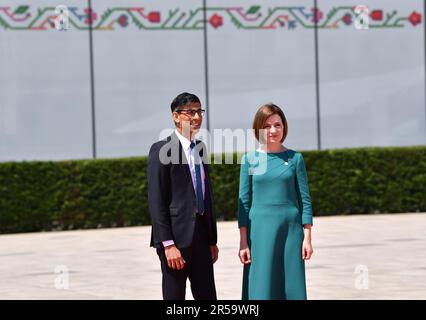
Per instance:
x=355, y=257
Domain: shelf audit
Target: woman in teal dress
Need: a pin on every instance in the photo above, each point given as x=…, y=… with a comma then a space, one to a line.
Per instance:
x=274, y=213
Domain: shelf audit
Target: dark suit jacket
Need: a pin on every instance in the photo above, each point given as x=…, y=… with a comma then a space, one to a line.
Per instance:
x=171, y=196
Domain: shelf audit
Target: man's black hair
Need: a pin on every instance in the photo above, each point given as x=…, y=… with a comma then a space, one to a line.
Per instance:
x=182, y=100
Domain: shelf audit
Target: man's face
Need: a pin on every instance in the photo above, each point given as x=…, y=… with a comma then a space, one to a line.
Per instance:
x=189, y=118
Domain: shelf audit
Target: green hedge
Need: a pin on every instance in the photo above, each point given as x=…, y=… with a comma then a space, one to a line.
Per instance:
x=39, y=196
x=82, y=194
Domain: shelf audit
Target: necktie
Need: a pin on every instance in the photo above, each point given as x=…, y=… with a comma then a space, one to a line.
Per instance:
x=197, y=163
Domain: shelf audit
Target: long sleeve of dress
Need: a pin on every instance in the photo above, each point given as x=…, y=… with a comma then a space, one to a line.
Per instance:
x=302, y=189
x=245, y=196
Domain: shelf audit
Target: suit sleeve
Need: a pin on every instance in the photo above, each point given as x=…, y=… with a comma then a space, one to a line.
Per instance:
x=245, y=196
x=303, y=195
x=158, y=191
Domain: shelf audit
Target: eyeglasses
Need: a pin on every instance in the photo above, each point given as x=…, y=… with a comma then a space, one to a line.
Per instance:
x=192, y=113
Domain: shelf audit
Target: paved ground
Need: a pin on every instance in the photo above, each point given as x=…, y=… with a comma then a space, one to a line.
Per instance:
x=355, y=257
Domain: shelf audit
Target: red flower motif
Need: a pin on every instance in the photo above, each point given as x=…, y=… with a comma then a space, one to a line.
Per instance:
x=154, y=17
x=347, y=19
x=122, y=20
x=415, y=18
x=377, y=15
x=91, y=16
x=216, y=21
x=317, y=15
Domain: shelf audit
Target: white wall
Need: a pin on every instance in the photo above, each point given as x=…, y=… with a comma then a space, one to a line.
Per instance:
x=371, y=82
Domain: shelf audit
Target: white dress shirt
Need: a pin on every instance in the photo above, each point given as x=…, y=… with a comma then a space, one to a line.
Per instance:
x=189, y=153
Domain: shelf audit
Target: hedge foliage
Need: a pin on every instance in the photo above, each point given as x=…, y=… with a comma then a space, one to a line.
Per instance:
x=81, y=194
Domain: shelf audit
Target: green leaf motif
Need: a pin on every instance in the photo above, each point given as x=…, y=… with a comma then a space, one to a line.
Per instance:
x=253, y=10
x=21, y=9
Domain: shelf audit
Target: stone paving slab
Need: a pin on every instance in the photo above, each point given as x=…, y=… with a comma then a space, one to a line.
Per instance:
x=355, y=257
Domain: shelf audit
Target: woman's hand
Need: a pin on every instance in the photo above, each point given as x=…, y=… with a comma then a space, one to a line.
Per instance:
x=307, y=250
x=244, y=254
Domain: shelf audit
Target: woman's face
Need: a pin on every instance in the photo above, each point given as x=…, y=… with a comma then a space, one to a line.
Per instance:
x=274, y=129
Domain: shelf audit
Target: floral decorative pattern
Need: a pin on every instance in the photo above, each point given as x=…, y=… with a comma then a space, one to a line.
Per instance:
x=26, y=17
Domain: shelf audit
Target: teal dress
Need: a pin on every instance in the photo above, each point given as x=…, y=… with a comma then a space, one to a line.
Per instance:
x=274, y=204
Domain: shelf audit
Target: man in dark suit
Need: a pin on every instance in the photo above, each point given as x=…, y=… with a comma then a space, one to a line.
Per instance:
x=181, y=206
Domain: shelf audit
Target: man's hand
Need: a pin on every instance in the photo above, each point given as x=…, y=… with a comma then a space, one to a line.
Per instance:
x=174, y=258
x=215, y=253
